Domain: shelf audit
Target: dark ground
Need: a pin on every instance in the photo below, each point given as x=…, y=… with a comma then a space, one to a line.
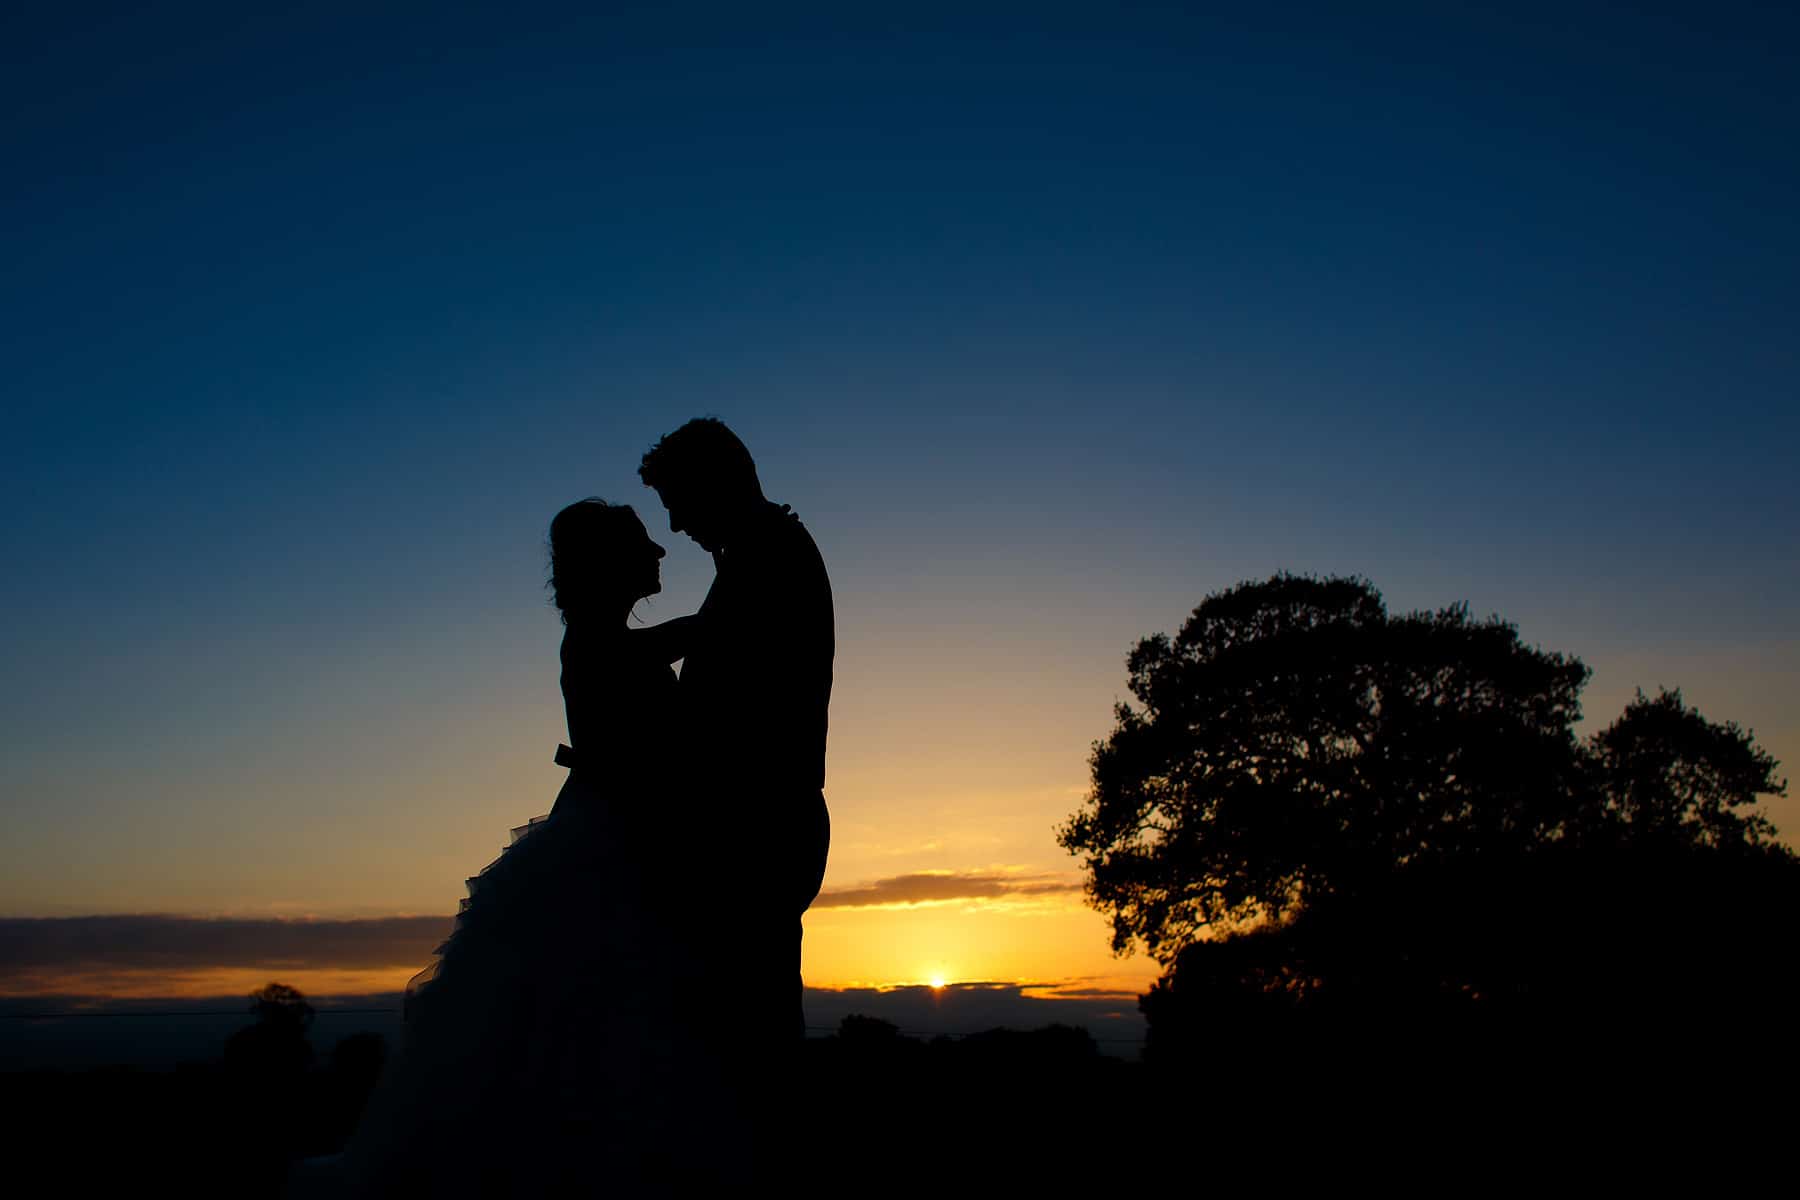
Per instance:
x=1024, y=1113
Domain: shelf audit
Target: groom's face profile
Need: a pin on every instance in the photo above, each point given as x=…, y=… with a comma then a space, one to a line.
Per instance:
x=690, y=513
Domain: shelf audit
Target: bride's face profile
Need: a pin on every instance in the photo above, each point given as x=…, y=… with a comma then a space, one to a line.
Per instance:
x=641, y=560
x=601, y=561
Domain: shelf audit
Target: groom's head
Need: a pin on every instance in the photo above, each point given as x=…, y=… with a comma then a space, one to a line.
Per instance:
x=705, y=478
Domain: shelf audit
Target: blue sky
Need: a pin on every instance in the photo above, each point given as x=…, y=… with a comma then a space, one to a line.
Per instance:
x=1048, y=321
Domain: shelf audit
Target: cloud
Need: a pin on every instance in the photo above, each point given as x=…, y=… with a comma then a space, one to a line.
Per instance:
x=30, y=945
x=40, y=948
x=1058, y=991
x=931, y=887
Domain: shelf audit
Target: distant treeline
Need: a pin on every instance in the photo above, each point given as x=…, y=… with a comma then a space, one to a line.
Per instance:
x=233, y=1125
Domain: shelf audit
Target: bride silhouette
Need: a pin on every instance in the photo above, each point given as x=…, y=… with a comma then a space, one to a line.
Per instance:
x=549, y=1048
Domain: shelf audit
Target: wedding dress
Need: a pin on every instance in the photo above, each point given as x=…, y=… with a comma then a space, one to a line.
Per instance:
x=550, y=1048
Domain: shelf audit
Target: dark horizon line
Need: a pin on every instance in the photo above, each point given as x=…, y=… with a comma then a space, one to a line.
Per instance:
x=340, y=1002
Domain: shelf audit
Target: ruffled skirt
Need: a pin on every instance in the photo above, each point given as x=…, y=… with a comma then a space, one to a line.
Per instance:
x=550, y=1047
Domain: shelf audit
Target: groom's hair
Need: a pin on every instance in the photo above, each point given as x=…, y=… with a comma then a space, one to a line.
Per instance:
x=704, y=451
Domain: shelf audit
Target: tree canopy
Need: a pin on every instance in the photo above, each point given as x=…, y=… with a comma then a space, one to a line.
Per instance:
x=1296, y=742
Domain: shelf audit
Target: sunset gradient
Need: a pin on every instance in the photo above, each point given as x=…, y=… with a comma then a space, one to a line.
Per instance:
x=1046, y=330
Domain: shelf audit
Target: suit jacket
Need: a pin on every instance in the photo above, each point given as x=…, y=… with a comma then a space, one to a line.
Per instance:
x=756, y=683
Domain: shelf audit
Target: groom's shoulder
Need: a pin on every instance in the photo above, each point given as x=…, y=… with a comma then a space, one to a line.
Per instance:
x=787, y=546
x=783, y=528
x=802, y=542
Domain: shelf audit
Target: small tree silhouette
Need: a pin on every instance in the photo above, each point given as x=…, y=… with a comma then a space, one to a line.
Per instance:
x=279, y=1004
x=1666, y=774
x=271, y=1105
x=276, y=1047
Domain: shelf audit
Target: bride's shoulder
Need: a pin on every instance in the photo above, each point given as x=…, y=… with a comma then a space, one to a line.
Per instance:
x=586, y=656
x=627, y=658
x=575, y=647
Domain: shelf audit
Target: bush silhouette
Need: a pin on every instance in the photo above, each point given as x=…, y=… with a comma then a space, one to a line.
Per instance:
x=858, y=1030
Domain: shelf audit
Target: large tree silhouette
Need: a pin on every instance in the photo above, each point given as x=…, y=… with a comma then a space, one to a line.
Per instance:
x=1368, y=845
x=1296, y=745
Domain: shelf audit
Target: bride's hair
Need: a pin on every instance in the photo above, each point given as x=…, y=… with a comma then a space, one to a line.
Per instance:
x=582, y=538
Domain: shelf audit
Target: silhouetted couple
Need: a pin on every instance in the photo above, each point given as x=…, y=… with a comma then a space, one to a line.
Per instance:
x=618, y=1006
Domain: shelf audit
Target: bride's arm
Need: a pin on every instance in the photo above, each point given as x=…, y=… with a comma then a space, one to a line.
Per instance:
x=670, y=640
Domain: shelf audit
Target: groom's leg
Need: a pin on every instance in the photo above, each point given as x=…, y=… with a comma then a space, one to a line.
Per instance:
x=814, y=846
x=799, y=982
x=760, y=966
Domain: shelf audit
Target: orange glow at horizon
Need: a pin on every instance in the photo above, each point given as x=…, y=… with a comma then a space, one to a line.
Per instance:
x=1043, y=945
x=204, y=982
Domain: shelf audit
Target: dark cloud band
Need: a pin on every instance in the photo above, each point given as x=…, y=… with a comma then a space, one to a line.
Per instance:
x=928, y=887
x=177, y=943
x=172, y=943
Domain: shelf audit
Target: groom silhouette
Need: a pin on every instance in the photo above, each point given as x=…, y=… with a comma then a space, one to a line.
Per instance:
x=754, y=692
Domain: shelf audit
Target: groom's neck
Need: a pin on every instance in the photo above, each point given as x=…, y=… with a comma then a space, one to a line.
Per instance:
x=742, y=519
